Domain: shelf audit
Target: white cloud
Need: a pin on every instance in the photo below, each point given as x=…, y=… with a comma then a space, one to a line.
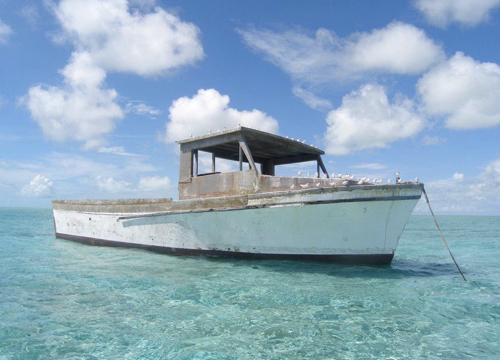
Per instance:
x=208, y=109
x=311, y=100
x=116, y=150
x=463, y=90
x=31, y=15
x=221, y=165
x=40, y=186
x=433, y=140
x=107, y=37
x=5, y=32
x=366, y=119
x=140, y=108
x=112, y=185
x=466, y=12
x=371, y=166
x=466, y=195
x=154, y=183
x=398, y=48
x=147, y=44
x=82, y=110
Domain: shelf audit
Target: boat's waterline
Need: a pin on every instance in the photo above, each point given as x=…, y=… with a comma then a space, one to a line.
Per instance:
x=358, y=226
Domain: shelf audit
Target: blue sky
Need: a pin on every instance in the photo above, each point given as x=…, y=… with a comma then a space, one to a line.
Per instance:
x=93, y=94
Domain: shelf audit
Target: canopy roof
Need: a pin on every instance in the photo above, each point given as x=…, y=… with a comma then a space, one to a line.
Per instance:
x=263, y=146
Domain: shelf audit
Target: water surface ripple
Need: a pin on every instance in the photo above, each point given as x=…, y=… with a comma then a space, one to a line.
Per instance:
x=60, y=299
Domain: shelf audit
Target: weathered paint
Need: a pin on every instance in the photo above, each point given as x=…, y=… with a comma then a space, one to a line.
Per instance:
x=364, y=221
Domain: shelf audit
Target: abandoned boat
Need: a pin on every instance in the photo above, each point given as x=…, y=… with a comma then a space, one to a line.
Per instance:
x=251, y=212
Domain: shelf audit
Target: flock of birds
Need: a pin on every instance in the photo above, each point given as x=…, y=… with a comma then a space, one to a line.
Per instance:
x=349, y=179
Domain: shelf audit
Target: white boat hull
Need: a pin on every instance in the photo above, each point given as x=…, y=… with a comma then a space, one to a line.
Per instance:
x=359, y=226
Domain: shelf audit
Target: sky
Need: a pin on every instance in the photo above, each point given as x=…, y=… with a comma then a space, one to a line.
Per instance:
x=94, y=93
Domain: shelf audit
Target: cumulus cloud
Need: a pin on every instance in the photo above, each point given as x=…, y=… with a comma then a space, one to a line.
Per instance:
x=82, y=110
x=5, y=32
x=111, y=185
x=154, y=183
x=208, y=109
x=399, y=48
x=40, y=186
x=366, y=119
x=466, y=12
x=464, y=91
x=119, y=40
x=458, y=194
x=107, y=36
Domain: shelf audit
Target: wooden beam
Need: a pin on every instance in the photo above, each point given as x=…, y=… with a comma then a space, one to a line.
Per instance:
x=211, y=141
x=248, y=154
x=295, y=159
x=195, y=163
x=240, y=157
x=320, y=163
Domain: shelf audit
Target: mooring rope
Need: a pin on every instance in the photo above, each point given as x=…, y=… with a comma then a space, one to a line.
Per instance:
x=442, y=236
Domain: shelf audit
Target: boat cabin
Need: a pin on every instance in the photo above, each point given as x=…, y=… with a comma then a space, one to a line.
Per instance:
x=247, y=147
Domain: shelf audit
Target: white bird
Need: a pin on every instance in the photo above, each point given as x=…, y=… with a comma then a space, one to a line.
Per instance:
x=210, y=131
x=218, y=131
x=298, y=140
x=303, y=142
x=360, y=182
x=304, y=186
x=316, y=175
x=299, y=174
x=388, y=181
x=399, y=180
x=332, y=183
x=293, y=186
x=345, y=182
x=308, y=174
x=324, y=176
x=286, y=136
x=318, y=184
x=397, y=173
x=416, y=180
x=293, y=139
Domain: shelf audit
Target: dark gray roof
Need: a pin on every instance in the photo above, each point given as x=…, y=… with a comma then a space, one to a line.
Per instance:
x=263, y=145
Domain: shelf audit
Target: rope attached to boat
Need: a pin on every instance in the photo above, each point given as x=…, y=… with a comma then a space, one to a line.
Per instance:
x=442, y=236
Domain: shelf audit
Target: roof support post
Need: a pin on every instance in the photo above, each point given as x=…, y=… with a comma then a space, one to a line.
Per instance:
x=213, y=162
x=320, y=164
x=195, y=163
x=248, y=154
x=240, y=157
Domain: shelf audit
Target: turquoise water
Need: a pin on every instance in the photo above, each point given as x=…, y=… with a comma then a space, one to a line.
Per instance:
x=60, y=299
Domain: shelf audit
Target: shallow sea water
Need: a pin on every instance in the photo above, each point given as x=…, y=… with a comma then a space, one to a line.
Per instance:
x=60, y=299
